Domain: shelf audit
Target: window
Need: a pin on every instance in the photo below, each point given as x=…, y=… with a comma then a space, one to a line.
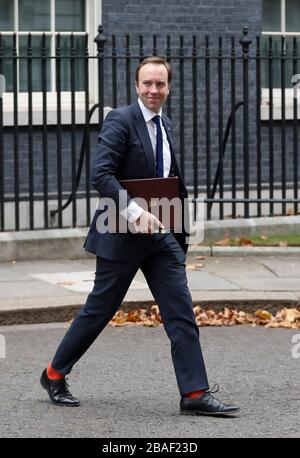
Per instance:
x=50, y=17
x=281, y=19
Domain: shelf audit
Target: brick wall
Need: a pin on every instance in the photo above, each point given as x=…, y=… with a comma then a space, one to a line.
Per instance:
x=177, y=16
x=200, y=18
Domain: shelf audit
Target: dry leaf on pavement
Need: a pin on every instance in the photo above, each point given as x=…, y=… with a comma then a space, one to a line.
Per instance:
x=223, y=242
x=283, y=243
x=245, y=242
x=194, y=266
x=263, y=315
x=290, y=315
x=285, y=318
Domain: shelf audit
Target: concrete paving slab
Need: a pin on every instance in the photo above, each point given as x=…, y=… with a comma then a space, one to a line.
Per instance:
x=234, y=267
x=77, y=281
x=66, y=265
x=40, y=302
x=284, y=267
x=7, y=274
x=206, y=281
x=73, y=281
x=254, y=251
x=138, y=295
x=268, y=284
x=27, y=288
x=235, y=298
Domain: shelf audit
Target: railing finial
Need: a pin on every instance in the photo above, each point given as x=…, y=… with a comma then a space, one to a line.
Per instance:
x=245, y=41
x=100, y=38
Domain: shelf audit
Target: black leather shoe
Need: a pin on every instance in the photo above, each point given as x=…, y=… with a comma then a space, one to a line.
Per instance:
x=206, y=404
x=58, y=391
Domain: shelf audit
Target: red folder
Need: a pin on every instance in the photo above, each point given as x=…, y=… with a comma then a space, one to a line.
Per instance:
x=158, y=198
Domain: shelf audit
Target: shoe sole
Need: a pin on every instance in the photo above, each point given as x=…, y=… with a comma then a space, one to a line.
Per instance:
x=209, y=414
x=54, y=402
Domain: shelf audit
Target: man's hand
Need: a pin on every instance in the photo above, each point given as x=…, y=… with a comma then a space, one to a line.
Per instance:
x=147, y=224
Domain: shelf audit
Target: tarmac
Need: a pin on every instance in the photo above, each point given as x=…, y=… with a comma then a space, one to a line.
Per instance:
x=127, y=386
x=41, y=291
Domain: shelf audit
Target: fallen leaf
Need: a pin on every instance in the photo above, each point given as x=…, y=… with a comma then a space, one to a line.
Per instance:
x=240, y=320
x=281, y=324
x=155, y=309
x=263, y=315
x=273, y=324
x=224, y=242
x=210, y=313
x=227, y=312
x=194, y=266
x=200, y=257
x=245, y=242
x=285, y=318
x=150, y=324
x=134, y=317
x=290, y=315
x=283, y=243
x=216, y=322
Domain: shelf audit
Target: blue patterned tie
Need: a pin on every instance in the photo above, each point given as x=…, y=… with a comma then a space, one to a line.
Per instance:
x=159, y=148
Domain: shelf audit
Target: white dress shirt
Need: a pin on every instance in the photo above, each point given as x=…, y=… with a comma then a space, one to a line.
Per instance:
x=134, y=211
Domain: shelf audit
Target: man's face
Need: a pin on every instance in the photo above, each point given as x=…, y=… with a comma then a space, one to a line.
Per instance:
x=152, y=86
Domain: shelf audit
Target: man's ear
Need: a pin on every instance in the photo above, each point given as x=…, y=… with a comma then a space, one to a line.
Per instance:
x=136, y=87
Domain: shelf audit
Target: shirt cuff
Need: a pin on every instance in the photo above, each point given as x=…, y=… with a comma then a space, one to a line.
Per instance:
x=132, y=212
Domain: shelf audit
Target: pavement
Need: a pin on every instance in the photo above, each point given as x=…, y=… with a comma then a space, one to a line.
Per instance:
x=40, y=291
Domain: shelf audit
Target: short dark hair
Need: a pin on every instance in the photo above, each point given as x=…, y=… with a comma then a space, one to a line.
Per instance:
x=154, y=60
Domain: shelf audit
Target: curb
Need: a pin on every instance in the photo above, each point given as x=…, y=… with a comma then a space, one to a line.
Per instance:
x=67, y=311
x=67, y=243
x=243, y=251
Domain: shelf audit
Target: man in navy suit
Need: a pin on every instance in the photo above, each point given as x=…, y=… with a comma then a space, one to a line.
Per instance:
x=136, y=142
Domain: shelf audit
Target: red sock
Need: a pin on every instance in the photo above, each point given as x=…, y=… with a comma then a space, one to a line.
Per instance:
x=194, y=394
x=53, y=374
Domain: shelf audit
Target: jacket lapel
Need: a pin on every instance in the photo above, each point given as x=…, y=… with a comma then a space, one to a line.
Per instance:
x=172, y=145
x=143, y=134
x=169, y=133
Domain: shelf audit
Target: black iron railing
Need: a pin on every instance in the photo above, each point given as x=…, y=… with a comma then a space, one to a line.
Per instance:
x=232, y=106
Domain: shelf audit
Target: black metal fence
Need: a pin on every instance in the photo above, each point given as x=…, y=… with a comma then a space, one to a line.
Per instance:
x=233, y=106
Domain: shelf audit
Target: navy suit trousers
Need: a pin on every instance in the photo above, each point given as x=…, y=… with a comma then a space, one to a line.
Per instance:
x=162, y=262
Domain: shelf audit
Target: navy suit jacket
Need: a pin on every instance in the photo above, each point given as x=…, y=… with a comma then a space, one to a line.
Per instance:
x=125, y=152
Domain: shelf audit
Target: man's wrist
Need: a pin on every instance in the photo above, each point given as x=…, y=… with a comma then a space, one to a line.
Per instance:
x=133, y=212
